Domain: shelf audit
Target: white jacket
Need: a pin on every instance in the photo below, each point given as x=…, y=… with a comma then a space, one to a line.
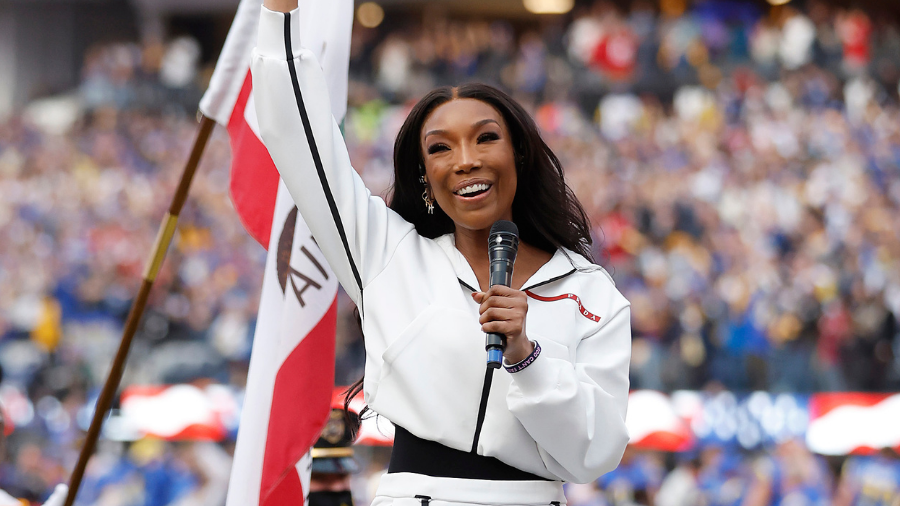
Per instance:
x=563, y=417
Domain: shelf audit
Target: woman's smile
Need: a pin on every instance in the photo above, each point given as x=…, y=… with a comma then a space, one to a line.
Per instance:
x=473, y=190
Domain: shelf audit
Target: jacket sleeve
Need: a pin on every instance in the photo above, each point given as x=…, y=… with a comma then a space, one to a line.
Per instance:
x=576, y=412
x=356, y=231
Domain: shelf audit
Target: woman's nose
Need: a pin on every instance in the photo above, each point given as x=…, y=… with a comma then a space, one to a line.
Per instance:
x=467, y=158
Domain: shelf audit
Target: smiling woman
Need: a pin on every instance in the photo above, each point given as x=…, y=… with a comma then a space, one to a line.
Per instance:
x=418, y=269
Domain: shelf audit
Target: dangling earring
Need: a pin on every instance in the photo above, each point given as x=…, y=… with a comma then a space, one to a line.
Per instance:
x=429, y=203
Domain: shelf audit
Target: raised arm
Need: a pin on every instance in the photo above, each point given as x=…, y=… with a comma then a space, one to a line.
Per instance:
x=356, y=232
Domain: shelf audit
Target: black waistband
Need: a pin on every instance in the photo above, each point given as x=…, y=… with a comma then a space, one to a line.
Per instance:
x=412, y=454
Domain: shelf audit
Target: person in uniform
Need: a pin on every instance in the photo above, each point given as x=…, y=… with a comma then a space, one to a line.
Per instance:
x=870, y=480
x=333, y=462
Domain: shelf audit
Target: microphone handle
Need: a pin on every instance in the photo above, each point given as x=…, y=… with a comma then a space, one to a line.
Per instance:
x=501, y=272
x=495, y=344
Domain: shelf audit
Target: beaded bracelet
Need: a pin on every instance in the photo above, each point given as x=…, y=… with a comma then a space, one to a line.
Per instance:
x=527, y=361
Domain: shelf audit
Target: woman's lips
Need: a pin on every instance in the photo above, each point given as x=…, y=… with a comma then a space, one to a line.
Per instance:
x=475, y=197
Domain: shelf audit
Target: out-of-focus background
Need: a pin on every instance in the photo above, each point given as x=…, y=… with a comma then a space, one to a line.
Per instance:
x=739, y=160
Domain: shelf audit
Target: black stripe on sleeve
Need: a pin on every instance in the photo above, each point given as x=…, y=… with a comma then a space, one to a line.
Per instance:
x=307, y=127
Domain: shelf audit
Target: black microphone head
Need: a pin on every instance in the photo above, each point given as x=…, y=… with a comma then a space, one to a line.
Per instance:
x=503, y=227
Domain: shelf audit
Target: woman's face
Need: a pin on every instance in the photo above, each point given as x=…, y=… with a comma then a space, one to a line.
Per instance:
x=470, y=164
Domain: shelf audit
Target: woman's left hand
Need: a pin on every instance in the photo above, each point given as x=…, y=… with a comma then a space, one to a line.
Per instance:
x=503, y=311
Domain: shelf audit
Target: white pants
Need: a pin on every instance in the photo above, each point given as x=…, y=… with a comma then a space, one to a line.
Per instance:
x=400, y=489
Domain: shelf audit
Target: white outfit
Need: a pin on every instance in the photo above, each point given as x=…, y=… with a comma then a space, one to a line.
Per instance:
x=394, y=490
x=561, y=418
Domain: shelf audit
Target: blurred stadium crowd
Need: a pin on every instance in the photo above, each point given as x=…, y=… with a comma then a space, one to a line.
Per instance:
x=741, y=168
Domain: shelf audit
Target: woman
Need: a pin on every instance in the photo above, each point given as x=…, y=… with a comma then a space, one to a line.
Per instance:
x=418, y=271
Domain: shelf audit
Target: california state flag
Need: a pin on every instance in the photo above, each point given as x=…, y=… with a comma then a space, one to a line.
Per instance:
x=291, y=377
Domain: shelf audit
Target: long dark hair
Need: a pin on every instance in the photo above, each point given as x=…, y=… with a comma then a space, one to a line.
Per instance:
x=545, y=209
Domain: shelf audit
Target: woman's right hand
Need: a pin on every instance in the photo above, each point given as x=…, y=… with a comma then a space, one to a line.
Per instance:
x=280, y=5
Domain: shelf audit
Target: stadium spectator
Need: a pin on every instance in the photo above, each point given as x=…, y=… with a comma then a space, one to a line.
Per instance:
x=870, y=480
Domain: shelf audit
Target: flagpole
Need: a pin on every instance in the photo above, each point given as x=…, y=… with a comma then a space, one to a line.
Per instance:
x=163, y=238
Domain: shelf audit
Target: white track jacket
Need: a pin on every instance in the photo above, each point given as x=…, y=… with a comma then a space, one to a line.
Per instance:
x=563, y=417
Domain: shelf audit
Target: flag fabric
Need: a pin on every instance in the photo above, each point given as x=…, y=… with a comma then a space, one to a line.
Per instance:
x=325, y=30
x=291, y=375
x=842, y=423
x=175, y=412
x=653, y=423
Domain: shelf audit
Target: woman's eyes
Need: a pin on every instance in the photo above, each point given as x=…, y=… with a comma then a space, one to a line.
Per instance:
x=485, y=137
x=434, y=148
x=488, y=136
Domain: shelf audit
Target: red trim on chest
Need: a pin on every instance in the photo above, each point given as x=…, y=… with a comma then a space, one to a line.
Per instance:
x=584, y=312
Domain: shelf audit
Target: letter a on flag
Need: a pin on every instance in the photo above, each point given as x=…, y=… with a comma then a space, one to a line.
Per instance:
x=291, y=376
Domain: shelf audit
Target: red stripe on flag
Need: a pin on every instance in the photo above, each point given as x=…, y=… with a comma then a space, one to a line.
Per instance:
x=254, y=178
x=664, y=441
x=143, y=391
x=822, y=403
x=288, y=491
x=301, y=402
x=198, y=432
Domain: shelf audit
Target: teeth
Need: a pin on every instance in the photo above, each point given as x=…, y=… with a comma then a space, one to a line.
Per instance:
x=473, y=188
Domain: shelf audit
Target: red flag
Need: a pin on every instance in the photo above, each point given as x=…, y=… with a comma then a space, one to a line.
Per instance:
x=254, y=179
x=229, y=101
x=291, y=376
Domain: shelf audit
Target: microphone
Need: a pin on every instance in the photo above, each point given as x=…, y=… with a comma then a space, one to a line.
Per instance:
x=503, y=245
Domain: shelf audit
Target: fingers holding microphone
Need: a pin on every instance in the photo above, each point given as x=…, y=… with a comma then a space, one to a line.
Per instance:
x=503, y=311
